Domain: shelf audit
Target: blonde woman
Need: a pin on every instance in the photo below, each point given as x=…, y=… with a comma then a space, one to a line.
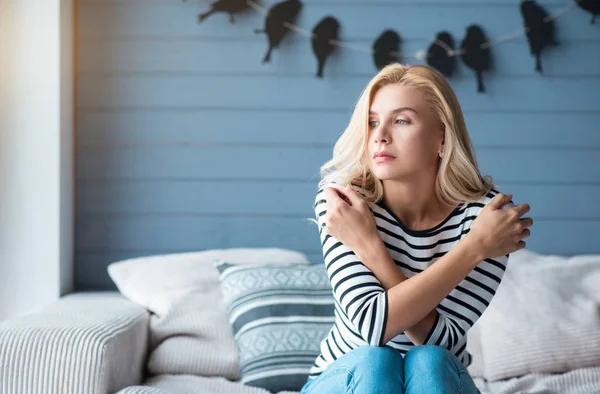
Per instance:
x=415, y=241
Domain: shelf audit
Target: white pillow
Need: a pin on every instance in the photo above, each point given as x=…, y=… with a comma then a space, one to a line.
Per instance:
x=189, y=330
x=544, y=318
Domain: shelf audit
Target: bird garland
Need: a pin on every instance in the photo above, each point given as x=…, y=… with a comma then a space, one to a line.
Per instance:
x=539, y=31
x=474, y=49
x=279, y=16
x=475, y=54
x=439, y=54
x=591, y=6
x=325, y=33
x=231, y=7
x=386, y=49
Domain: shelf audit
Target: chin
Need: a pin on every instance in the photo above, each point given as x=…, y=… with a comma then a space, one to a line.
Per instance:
x=388, y=174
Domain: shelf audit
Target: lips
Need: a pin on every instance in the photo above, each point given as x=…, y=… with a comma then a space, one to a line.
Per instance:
x=383, y=155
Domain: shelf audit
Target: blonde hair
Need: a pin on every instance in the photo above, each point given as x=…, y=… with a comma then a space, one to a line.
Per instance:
x=458, y=180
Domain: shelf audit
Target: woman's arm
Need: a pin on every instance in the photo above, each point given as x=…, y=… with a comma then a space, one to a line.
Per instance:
x=494, y=233
x=358, y=291
x=379, y=261
x=413, y=300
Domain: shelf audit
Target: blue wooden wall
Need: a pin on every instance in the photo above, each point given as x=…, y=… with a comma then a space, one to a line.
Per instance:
x=185, y=141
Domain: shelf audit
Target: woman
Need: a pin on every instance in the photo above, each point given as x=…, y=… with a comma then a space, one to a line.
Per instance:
x=415, y=241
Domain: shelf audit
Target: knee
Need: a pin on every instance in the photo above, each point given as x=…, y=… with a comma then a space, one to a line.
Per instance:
x=428, y=356
x=381, y=360
x=380, y=367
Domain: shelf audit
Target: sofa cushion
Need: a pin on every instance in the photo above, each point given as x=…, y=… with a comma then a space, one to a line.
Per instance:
x=544, y=318
x=189, y=328
x=190, y=384
x=279, y=315
x=91, y=343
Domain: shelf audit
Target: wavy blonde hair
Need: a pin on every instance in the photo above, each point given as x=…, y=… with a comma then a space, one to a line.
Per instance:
x=458, y=180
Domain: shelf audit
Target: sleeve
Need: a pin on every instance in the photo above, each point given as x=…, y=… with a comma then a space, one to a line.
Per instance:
x=459, y=311
x=355, y=288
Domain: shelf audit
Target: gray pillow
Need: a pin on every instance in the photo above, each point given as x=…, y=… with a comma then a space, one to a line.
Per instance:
x=543, y=319
x=279, y=315
x=189, y=328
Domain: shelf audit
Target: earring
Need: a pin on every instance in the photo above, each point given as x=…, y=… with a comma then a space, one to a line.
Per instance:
x=441, y=154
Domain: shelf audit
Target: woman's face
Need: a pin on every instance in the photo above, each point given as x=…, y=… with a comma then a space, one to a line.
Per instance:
x=403, y=127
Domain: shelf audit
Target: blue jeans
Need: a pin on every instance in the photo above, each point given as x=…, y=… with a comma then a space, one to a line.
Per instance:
x=370, y=369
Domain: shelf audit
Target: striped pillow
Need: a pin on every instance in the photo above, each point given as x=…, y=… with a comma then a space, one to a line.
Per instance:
x=279, y=315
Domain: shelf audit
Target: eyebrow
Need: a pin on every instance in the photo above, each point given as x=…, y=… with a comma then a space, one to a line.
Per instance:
x=397, y=110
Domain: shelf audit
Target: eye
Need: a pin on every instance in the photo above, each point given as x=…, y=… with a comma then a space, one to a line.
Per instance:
x=401, y=120
x=372, y=123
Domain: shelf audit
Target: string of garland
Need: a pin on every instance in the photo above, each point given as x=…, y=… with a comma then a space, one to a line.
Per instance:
x=442, y=54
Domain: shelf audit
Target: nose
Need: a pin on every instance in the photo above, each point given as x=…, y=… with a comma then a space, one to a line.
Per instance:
x=381, y=135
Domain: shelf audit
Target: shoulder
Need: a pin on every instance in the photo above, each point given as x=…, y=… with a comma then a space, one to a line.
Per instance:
x=473, y=209
x=320, y=206
x=320, y=200
x=478, y=205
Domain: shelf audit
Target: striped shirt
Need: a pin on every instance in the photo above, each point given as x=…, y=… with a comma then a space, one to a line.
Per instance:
x=361, y=303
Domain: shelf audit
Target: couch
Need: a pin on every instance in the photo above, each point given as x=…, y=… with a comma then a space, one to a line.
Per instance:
x=165, y=331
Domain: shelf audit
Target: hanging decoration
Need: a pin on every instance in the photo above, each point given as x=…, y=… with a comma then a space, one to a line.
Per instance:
x=229, y=6
x=276, y=23
x=540, y=33
x=476, y=54
x=591, y=6
x=440, y=54
x=474, y=50
x=386, y=49
x=324, y=36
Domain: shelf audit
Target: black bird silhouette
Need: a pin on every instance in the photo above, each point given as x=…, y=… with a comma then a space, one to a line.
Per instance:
x=438, y=56
x=591, y=6
x=275, y=23
x=386, y=49
x=325, y=31
x=230, y=6
x=540, y=31
x=476, y=56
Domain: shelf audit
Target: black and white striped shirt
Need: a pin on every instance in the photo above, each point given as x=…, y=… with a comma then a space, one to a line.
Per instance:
x=361, y=305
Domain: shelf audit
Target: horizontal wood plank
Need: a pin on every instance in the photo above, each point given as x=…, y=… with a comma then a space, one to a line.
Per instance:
x=99, y=199
x=111, y=129
x=297, y=163
x=223, y=57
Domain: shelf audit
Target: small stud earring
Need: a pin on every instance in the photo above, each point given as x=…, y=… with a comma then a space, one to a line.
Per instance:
x=441, y=154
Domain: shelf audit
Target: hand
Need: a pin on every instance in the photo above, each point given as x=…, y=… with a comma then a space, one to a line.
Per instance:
x=498, y=232
x=349, y=218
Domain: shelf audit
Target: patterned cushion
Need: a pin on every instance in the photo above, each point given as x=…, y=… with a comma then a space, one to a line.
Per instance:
x=279, y=315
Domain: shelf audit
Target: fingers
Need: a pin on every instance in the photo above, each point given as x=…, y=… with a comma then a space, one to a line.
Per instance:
x=517, y=240
x=522, y=209
x=521, y=230
x=352, y=197
x=499, y=200
x=336, y=201
x=522, y=235
x=526, y=222
x=332, y=195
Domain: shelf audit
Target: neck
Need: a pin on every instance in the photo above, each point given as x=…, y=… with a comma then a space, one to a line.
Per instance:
x=415, y=203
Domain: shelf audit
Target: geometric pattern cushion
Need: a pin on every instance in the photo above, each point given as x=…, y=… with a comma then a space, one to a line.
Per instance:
x=279, y=315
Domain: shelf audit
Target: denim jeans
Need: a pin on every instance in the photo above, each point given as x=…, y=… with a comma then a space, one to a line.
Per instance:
x=369, y=369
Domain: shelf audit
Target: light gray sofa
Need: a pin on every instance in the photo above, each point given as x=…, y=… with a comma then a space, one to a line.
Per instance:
x=99, y=343
x=91, y=343
x=84, y=343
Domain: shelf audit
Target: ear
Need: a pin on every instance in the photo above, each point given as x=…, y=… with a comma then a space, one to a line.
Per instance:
x=442, y=133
